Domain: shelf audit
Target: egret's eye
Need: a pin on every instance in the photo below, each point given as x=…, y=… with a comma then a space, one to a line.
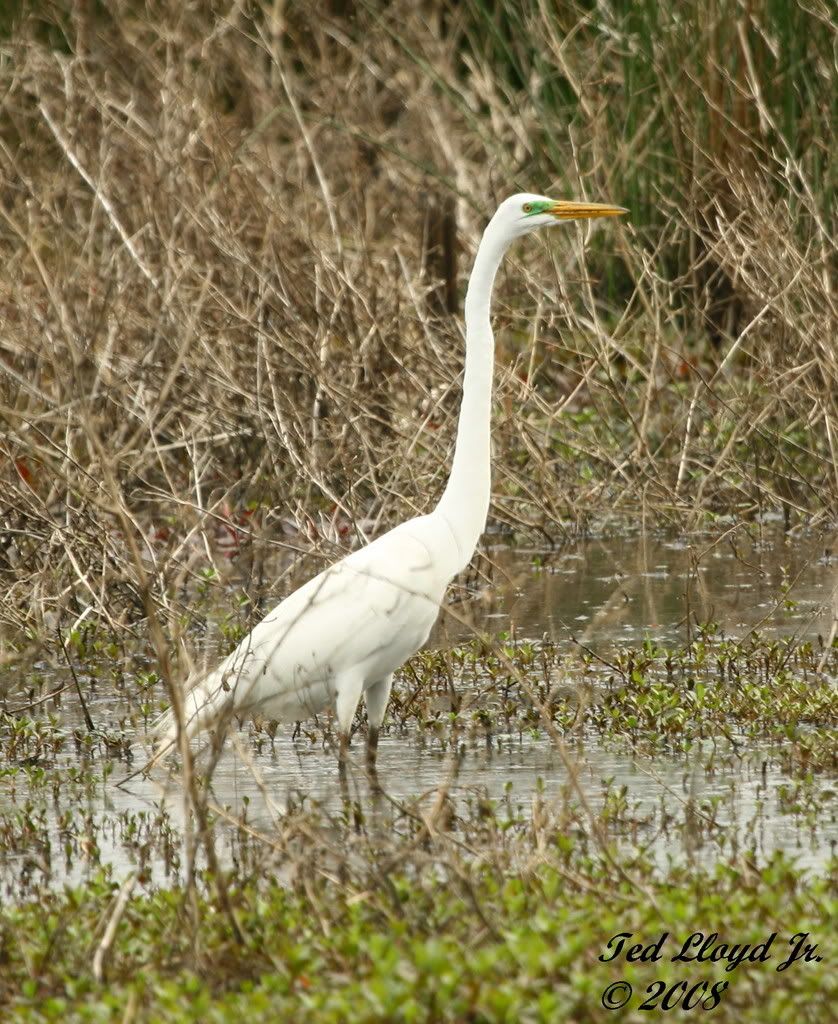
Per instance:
x=527, y=207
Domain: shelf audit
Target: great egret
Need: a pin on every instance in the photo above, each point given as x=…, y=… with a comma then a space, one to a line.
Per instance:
x=345, y=632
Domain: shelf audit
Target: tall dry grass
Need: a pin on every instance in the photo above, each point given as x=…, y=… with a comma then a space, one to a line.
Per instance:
x=230, y=233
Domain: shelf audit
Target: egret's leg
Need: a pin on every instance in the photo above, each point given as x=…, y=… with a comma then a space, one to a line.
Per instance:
x=343, y=752
x=376, y=698
x=349, y=691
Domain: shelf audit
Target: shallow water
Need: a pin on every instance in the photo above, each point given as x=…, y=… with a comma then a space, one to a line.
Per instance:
x=701, y=805
x=619, y=590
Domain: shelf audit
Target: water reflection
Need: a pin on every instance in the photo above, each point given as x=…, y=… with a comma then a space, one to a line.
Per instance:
x=619, y=590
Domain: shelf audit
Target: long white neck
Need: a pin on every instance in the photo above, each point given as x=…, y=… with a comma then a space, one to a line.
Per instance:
x=465, y=500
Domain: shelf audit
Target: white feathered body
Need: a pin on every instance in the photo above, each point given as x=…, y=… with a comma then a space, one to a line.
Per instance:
x=342, y=635
x=357, y=621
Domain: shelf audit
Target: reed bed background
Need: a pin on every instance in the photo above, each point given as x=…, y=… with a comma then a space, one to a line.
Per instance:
x=235, y=240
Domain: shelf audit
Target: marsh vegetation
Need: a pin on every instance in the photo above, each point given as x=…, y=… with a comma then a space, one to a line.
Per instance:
x=234, y=243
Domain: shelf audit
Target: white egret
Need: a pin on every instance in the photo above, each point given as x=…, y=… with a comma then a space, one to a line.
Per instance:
x=343, y=634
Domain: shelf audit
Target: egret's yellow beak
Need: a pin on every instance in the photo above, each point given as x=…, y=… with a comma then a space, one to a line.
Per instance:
x=569, y=209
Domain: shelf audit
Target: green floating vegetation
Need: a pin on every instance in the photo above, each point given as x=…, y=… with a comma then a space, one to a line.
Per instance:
x=658, y=697
x=444, y=942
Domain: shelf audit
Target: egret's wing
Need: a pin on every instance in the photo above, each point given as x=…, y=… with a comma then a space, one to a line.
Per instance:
x=365, y=614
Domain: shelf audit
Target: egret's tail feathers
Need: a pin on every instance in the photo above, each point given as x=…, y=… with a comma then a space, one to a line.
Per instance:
x=201, y=710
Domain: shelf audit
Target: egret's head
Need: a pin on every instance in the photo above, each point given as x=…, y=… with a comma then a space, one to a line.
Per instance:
x=524, y=212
